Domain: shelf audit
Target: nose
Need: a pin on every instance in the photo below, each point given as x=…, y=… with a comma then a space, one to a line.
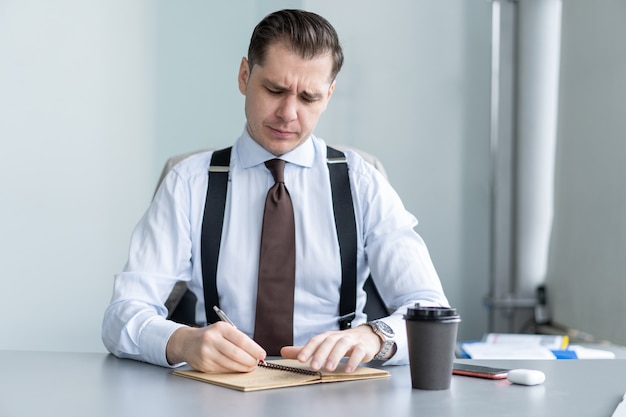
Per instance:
x=288, y=108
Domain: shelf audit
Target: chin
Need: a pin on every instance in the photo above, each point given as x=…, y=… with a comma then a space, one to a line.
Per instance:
x=279, y=150
x=281, y=147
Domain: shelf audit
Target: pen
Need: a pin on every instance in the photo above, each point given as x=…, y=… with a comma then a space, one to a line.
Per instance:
x=225, y=318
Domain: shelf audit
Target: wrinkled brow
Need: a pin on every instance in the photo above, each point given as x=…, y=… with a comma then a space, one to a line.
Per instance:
x=311, y=95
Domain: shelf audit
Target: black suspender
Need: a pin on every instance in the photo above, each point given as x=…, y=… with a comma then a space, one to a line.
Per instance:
x=345, y=224
x=212, y=224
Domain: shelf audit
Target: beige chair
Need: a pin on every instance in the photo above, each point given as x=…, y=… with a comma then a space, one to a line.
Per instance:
x=181, y=302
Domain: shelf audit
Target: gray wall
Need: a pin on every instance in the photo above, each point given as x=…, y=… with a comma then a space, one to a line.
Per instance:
x=94, y=96
x=586, y=273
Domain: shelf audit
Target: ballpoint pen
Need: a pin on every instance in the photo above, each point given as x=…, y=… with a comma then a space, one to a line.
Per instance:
x=225, y=318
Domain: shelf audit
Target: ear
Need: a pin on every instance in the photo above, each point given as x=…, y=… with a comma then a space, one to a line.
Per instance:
x=331, y=89
x=244, y=74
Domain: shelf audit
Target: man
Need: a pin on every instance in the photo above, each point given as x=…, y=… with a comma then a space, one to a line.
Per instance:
x=287, y=79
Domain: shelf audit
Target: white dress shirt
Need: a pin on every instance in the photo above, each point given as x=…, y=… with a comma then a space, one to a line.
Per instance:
x=165, y=248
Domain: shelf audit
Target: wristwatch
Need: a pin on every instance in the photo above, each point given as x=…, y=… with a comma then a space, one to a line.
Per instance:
x=386, y=333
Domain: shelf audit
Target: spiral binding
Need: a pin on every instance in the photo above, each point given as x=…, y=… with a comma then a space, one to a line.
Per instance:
x=279, y=367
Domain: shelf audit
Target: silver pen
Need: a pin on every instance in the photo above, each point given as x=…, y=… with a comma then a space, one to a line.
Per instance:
x=223, y=316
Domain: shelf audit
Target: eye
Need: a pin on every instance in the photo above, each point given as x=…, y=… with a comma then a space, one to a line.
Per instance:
x=274, y=92
x=308, y=99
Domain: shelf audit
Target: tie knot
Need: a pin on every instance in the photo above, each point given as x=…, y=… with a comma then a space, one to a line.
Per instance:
x=277, y=168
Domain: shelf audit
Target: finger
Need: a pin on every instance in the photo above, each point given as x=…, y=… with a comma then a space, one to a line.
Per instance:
x=328, y=353
x=247, y=344
x=220, y=364
x=358, y=355
x=224, y=348
x=306, y=351
x=235, y=359
x=240, y=348
x=290, y=352
x=343, y=346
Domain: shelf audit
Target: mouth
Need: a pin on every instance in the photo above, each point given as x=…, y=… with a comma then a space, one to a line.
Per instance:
x=281, y=133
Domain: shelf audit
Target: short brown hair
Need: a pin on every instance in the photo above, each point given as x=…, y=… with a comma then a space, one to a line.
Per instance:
x=307, y=33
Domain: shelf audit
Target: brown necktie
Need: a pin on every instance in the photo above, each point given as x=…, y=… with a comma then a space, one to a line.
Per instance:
x=273, y=328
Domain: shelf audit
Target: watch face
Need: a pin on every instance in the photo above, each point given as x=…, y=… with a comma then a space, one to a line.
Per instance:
x=385, y=328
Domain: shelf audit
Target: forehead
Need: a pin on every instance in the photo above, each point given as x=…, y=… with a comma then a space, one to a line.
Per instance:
x=287, y=68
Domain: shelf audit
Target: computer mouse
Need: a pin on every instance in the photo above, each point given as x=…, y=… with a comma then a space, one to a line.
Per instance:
x=526, y=376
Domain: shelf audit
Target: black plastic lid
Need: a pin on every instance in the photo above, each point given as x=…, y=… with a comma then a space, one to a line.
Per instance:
x=432, y=313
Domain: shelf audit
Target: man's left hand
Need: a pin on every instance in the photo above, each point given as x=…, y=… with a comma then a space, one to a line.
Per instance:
x=326, y=350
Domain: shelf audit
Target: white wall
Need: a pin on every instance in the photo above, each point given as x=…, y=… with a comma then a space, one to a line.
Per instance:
x=415, y=91
x=199, y=46
x=586, y=274
x=77, y=82
x=95, y=95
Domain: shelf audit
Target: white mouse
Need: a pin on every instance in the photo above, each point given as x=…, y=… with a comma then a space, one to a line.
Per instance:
x=526, y=376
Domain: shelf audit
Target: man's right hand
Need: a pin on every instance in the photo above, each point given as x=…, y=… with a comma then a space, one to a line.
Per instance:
x=219, y=347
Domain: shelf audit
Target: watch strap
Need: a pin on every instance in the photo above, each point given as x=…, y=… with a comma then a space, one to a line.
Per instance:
x=382, y=330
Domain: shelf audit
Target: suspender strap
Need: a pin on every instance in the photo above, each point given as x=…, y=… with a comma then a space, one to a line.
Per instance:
x=345, y=224
x=212, y=224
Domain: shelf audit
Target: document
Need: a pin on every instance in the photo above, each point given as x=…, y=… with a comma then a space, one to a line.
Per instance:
x=481, y=350
x=516, y=346
x=529, y=346
x=553, y=342
x=279, y=374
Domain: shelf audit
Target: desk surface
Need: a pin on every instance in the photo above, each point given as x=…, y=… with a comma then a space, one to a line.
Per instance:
x=92, y=384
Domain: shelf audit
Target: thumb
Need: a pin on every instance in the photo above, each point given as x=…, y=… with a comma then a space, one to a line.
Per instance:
x=290, y=352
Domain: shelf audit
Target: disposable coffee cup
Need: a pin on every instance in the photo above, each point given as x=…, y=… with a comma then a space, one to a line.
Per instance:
x=431, y=334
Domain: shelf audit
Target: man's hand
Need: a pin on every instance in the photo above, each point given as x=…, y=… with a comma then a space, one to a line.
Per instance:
x=219, y=347
x=325, y=350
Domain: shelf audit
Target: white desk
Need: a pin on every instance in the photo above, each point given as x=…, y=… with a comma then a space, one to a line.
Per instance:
x=90, y=384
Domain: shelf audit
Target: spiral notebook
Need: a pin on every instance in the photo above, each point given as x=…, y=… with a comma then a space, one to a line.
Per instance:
x=280, y=374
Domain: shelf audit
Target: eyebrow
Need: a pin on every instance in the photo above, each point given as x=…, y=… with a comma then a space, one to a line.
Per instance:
x=307, y=94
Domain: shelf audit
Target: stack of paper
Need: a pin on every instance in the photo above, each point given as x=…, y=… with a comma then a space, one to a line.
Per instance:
x=589, y=353
x=529, y=346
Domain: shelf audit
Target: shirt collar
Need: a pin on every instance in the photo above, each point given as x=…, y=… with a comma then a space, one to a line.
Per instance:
x=252, y=154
